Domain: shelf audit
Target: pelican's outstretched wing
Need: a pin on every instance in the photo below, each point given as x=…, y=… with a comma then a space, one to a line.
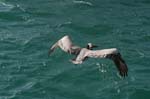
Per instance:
x=66, y=45
x=106, y=53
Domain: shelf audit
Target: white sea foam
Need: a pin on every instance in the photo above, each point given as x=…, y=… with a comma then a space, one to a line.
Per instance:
x=83, y=2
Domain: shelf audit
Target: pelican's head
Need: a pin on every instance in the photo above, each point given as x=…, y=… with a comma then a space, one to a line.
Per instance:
x=90, y=46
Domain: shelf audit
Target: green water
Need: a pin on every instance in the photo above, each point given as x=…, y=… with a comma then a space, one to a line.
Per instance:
x=29, y=27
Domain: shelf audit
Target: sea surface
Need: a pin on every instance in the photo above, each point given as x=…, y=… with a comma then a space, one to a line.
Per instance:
x=28, y=28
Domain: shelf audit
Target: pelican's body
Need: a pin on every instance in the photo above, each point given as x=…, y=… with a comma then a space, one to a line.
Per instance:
x=84, y=53
x=66, y=45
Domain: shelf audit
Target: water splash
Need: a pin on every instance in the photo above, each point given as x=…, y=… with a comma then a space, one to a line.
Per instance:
x=101, y=67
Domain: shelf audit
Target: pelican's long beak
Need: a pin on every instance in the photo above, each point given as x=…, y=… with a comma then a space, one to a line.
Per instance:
x=95, y=46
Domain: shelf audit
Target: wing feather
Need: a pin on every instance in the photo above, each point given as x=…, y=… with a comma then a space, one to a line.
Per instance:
x=101, y=53
x=120, y=64
x=112, y=54
x=65, y=43
x=53, y=48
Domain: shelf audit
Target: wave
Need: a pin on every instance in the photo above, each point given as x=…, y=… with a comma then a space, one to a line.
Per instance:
x=5, y=7
x=83, y=2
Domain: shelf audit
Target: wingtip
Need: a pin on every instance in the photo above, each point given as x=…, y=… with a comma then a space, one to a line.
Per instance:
x=124, y=68
x=49, y=52
x=121, y=66
x=123, y=74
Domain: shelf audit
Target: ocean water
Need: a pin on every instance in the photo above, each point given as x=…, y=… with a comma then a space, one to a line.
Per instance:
x=29, y=27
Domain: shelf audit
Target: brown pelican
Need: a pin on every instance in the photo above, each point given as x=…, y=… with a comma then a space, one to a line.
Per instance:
x=66, y=45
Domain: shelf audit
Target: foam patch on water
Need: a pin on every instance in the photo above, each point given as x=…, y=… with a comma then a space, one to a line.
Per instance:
x=83, y=2
x=5, y=7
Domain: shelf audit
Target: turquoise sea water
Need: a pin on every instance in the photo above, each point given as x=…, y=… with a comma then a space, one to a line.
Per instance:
x=29, y=27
